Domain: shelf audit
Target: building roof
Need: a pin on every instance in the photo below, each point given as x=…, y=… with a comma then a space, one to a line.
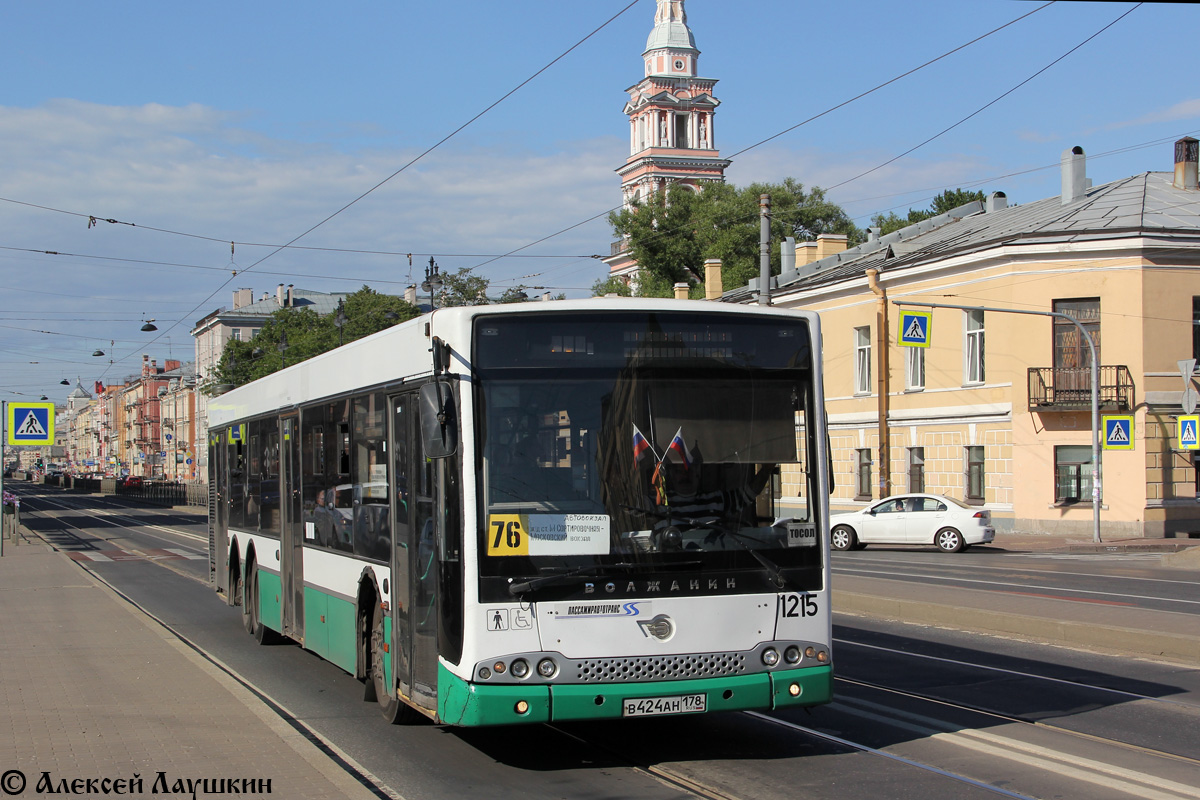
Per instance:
x=1145, y=205
x=670, y=28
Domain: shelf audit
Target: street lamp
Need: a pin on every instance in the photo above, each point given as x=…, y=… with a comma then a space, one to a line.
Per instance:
x=433, y=283
x=340, y=320
x=283, y=346
x=149, y=325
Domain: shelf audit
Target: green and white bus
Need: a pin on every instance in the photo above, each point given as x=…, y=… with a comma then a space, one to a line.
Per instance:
x=541, y=511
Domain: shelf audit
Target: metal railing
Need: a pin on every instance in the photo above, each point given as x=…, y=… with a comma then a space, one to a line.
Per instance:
x=1069, y=388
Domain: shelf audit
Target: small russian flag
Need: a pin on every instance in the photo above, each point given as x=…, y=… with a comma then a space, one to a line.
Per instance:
x=680, y=446
x=640, y=445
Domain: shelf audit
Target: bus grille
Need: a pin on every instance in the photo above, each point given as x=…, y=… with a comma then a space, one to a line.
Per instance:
x=657, y=668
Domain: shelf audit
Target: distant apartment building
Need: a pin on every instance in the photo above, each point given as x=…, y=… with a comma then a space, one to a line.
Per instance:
x=996, y=410
x=240, y=322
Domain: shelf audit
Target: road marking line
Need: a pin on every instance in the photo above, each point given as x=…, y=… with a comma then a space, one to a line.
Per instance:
x=1064, y=764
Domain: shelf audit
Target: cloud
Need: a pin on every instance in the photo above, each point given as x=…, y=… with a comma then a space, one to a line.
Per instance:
x=1187, y=109
x=204, y=172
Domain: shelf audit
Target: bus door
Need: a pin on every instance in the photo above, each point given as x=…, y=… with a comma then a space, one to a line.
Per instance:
x=291, y=554
x=403, y=547
x=218, y=514
x=425, y=570
x=414, y=559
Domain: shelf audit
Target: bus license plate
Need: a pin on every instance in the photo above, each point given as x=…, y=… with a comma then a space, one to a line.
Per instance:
x=653, y=706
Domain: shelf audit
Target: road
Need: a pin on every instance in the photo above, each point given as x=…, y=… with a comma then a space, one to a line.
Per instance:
x=919, y=711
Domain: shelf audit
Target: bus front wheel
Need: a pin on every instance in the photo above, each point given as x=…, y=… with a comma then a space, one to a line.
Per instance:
x=394, y=710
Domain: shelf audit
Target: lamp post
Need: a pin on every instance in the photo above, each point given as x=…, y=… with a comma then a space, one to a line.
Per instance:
x=433, y=283
x=283, y=346
x=340, y=319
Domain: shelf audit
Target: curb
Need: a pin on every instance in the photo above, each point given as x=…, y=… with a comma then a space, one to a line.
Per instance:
x=1122, y=641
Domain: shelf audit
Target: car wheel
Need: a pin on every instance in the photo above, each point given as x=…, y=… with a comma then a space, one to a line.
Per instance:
x=843, y=538
x=949, y=540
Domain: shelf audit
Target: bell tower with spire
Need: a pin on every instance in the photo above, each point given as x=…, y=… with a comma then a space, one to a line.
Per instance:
x=672, y=138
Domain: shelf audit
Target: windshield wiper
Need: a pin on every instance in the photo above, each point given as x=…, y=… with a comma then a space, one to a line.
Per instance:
x=521, y=587
x=770, y=566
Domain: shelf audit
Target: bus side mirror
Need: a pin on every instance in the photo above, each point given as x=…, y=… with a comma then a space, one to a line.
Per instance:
x=439, y=420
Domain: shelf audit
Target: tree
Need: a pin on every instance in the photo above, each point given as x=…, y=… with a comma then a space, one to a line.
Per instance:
x=946, y=201
x=671, y=234
x=611, y=285
x=306, y=334
x=464, y=288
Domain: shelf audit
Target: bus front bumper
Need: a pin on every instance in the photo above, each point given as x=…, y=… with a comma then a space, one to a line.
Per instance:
x=465, y=703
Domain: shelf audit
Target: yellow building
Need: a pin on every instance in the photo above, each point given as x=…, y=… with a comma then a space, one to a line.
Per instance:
x=996, y=410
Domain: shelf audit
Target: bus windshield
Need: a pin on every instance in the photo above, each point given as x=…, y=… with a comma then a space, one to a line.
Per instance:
x=643, y=443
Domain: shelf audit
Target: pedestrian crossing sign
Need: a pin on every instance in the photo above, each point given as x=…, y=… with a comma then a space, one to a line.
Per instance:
x=914, y=328
x=1188, y=428
x=1118, y=432
x=30, y=423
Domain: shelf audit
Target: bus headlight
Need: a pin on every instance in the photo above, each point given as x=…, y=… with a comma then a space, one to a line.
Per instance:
x=547, y=668
x=770, y=656
x=519, y=668
x=792, y=654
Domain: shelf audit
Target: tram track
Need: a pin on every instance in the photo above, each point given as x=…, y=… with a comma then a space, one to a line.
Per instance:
x=933, y=729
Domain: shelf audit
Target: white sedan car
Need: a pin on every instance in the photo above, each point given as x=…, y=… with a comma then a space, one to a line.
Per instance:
x=914, y=519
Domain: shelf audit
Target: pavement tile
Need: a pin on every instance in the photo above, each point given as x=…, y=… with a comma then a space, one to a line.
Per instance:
x=93, y=688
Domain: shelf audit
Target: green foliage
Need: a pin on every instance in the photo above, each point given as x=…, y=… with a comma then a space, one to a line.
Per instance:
x=611, y=285
x=946, y=201
x=306, y=334
x=671, y=234
x=463, y=288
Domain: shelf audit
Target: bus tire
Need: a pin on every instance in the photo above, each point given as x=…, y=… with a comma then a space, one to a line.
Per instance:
x=261, y=633
x=393, y=709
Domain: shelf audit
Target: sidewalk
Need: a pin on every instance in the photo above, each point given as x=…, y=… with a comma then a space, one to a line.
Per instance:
x=96, y=695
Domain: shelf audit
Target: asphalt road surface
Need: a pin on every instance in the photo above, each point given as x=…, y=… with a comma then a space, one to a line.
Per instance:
x=919, y=712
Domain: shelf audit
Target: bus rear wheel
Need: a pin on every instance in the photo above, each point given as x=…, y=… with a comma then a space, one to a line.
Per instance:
x=261, y=633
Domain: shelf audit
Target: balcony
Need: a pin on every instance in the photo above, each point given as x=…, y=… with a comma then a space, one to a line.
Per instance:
x=1070, y=388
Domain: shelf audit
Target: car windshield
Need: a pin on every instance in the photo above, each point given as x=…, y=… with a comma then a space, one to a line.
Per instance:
x=638, y=452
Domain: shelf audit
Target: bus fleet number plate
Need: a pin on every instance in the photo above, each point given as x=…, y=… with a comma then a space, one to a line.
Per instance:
x=651, y=706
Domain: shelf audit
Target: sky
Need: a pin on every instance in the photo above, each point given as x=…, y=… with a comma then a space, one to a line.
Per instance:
x=487, y=134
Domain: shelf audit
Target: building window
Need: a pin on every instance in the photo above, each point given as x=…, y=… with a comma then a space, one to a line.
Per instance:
x=1070, y=349
x=1196, y=328
x=236, y=334
x=862, y=360
x=916, y=469
x=862, y=480
x=973, y=348
x=1072, y=473
x=975, y=483
x=914, y=369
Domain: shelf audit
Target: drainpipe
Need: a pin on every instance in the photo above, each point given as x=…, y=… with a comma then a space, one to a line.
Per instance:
x=881, y=341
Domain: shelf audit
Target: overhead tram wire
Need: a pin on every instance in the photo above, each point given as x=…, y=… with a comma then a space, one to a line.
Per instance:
x=444, y=139
x=829, y=110
x=946, y=130
x=993, y=179
x=291, y=245
x=986, y=106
